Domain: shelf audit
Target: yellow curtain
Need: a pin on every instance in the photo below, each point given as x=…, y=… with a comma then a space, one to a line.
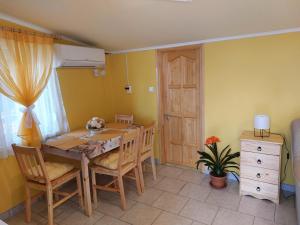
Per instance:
x=25, y=66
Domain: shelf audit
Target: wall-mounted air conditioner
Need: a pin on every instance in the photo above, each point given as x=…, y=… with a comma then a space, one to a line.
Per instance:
x=77, y=56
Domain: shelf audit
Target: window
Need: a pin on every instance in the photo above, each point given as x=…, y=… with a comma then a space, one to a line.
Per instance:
x=49, y=110
x=10, y=117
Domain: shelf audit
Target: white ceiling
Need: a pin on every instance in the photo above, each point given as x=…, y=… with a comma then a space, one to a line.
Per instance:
x=127, y=24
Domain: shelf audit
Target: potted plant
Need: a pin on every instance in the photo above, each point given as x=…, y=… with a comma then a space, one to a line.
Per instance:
x=219, y=163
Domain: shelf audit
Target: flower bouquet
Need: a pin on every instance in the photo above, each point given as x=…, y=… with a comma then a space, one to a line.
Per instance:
x=95, y=124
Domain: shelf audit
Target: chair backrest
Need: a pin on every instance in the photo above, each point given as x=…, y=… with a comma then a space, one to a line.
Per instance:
x=129, y=148
x=126, y=119
x=31, y=163
x=147, y=138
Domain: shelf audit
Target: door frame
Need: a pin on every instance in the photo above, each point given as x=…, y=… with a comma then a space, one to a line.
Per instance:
x=160, y=97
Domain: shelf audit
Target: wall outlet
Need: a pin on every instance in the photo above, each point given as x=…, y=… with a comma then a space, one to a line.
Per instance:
x=128, y=89
x=151, y=89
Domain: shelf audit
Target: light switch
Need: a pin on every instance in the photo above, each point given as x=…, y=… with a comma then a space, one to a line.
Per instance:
x=151, y=89
x=128, y=89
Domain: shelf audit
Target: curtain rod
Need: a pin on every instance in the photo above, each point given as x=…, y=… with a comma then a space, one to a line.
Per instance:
x=19, y=30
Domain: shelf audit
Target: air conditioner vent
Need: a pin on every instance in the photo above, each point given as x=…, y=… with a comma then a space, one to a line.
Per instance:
x=77, y=56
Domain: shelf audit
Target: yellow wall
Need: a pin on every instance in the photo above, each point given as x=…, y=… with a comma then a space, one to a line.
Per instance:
x=141, y=75
x=242, y=78
x=84, y=96
x=252, y=76
x=11, y=188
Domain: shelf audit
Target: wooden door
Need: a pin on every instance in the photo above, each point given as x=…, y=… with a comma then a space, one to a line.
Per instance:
x=180, y=107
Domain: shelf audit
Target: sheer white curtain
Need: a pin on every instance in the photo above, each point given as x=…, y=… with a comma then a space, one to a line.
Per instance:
x=49, y=110
x=10, y=117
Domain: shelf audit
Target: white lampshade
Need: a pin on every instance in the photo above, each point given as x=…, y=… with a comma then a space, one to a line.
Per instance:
x=262, y=122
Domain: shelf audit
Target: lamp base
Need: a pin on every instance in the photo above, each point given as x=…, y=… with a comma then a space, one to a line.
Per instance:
x=262, y=133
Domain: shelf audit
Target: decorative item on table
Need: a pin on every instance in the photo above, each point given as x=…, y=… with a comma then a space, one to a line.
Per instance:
x=262, y=126
x=95, y=124
x=219, y=163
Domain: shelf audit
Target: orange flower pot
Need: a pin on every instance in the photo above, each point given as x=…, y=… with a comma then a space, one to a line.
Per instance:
x=218, y=182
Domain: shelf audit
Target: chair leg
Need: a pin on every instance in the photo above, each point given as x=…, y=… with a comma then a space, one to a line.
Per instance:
x=153, y=167
x=79, y=188
x=141, y=175
x=137, y=180
x=27, y=204
x=122, y=192
x=95, y=199
x=50, y=204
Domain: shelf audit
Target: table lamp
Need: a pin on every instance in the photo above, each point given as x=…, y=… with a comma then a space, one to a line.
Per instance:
x=261, y=126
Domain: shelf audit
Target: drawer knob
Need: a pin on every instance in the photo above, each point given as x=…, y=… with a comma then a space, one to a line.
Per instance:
x=258, y=189
x=258, y=175
x=259, y=148
x=258, y=161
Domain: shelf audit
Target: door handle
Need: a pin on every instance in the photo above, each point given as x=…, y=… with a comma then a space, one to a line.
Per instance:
x=167, y=116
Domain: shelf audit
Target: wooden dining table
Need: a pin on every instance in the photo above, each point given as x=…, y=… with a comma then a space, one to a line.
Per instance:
x=83, y=145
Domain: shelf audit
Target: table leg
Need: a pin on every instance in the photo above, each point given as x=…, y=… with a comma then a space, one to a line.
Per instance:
x=86, y=185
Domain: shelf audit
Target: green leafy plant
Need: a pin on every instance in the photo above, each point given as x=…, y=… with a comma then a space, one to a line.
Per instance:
x=221, y=163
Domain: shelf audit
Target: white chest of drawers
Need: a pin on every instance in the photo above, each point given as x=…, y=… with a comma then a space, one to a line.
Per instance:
x=260, y=166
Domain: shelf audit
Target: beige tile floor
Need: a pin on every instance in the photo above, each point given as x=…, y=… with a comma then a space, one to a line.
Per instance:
x=180, y=196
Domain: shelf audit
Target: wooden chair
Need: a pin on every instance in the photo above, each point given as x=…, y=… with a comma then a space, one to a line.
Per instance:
x=146, y=150
x=47, y=177
x=117, y=164
x=126, y=119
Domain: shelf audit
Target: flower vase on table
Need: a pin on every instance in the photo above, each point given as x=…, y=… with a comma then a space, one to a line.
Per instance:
x=95, y=125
